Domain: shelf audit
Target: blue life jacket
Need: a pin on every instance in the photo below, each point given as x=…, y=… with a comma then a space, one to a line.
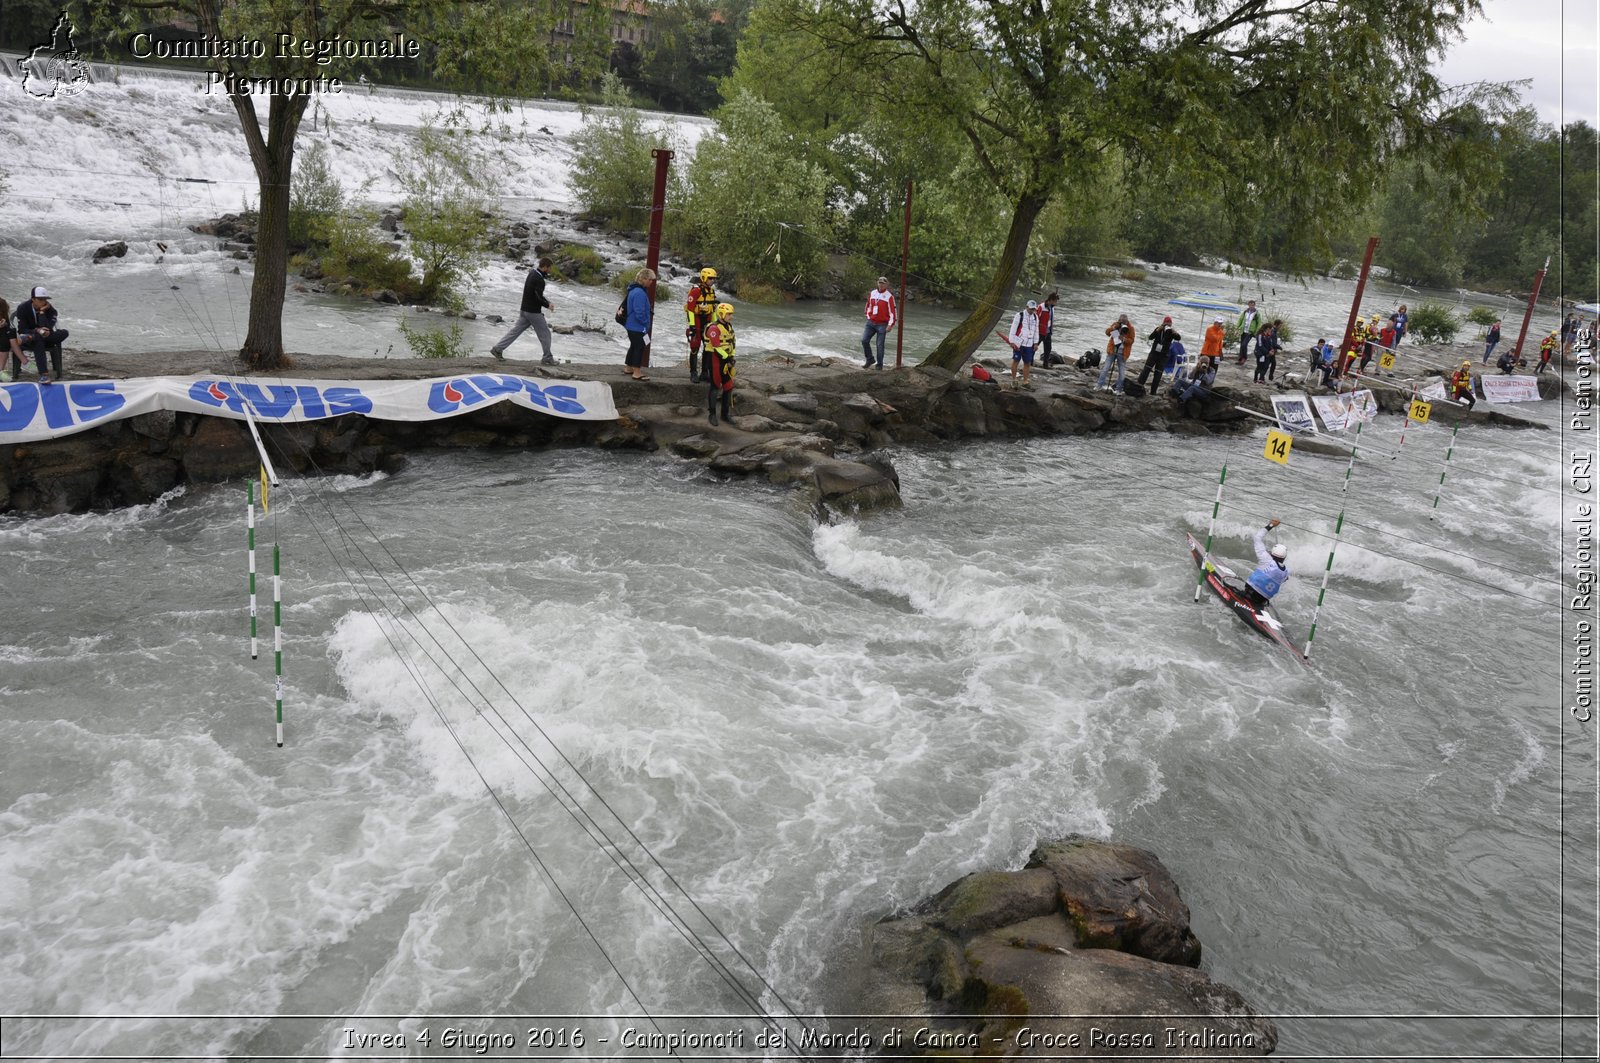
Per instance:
x=1268, y=579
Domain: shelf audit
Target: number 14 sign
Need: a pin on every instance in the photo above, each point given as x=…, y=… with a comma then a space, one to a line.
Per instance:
x=1278, y=445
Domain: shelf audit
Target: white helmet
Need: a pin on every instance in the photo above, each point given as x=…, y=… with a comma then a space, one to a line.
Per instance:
x=1279, y=552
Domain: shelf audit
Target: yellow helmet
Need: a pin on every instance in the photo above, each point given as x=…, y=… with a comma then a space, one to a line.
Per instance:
x=724, y=311
x=708, y=274
x=1466, y=365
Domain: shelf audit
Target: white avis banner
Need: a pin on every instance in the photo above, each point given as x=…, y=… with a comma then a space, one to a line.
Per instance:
x=31, y=411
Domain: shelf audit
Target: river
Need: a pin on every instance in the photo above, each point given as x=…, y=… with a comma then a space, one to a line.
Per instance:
x=809, y=724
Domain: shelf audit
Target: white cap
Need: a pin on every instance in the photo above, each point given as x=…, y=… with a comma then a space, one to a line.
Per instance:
x=40, y=293
x=1217, y=320
x=1280, y=551
x=1032, y=305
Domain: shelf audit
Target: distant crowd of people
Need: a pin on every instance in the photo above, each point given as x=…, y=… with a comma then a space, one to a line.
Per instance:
x=710, y=336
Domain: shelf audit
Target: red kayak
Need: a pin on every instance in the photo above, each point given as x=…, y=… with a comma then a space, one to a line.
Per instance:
x=1225, y=584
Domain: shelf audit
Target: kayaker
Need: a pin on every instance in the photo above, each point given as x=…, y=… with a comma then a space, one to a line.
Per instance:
x=1272, y=568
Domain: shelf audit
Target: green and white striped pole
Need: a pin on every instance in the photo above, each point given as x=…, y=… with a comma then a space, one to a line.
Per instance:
x=1338, y=528
x=1449, y=450
x=277, y=639
x=1210, y=531
x=250, y=525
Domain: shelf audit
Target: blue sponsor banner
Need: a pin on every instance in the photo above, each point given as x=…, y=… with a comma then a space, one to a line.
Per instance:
x=30, y=411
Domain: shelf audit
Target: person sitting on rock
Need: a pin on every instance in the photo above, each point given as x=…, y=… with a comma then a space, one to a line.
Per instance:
x=8, y=341
x=37, y=331
x=1507, y=362
x=1196, y=383
x=718, y=365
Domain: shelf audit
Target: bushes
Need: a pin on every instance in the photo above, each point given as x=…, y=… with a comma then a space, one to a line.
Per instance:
x=763, y=211
x=316, y=199
x=626, y=276
x=1433, y=323
x=446, y=211
x=612, y=171
x=579, y=262
x=357, y=254
x=435, y=343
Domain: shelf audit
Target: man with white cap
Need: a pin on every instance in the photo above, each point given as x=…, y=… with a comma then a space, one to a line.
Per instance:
x=36, y=329
x=1271, y=571
x=1024, y=336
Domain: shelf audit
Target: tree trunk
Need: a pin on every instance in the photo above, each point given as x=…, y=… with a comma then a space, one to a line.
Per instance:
x=955, y=348
x=274, y=163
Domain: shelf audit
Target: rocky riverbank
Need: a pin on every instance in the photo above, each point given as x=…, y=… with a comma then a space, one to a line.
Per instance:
x=1084, y=953
x=816, y=423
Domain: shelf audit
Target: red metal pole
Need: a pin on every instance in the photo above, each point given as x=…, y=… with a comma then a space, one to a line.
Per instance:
x=1527, y=315
x=1355, y=304
x=652, y=254
x=900, y=304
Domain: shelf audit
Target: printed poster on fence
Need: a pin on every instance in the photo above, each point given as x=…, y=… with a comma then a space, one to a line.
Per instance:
x=1363, y=405
x=1510, y=388
x=1434, y=392
x=33, y=411
x=1294, y=414
x=1331, y=408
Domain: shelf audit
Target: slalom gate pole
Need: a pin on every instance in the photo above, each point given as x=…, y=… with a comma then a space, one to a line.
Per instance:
x=277, y=640
x=1399, y=446
x=1338, y=528
x=1448, y=450
x=1210, y=531
x=250, y=547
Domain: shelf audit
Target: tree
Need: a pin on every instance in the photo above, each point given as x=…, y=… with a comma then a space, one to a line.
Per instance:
x=495, y=45
x=750, y=192
x=1306, y=100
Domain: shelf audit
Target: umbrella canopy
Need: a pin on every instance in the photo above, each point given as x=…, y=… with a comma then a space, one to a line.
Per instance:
x=1204, y=301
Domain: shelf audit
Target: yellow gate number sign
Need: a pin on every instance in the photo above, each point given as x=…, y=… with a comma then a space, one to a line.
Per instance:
x=1420, y=410
x=1386, y=360
x=1278, y=444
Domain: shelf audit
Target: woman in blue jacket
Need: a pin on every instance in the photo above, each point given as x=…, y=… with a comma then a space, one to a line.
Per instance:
x=637, y=322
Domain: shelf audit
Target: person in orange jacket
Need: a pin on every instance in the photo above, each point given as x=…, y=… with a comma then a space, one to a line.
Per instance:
x=1211, y=344
x=701, y=310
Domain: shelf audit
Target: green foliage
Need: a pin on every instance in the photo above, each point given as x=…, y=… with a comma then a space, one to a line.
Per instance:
x=359, y=255
x=760, y=294
x=1422, y=232
x=1433, y=323
x=1293, y=139
x=579, y=262
x=692, y=47
x=446, y=342
x=316, y=198
x=446, y=211
x=1482, y=316
x=612, y=172
x=1132, y=273
x=764, y=215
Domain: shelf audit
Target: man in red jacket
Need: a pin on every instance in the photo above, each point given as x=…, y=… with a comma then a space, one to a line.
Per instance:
x=880, y=315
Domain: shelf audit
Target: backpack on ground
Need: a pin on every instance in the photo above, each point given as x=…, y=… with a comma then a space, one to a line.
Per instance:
x=1090, y=360
x=980, y=373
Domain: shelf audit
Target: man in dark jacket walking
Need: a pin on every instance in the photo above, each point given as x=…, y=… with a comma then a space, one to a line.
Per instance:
x=36, y=329
x=532, y=316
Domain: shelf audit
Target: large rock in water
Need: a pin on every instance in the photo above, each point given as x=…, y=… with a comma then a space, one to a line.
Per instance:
x=1085, y=953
